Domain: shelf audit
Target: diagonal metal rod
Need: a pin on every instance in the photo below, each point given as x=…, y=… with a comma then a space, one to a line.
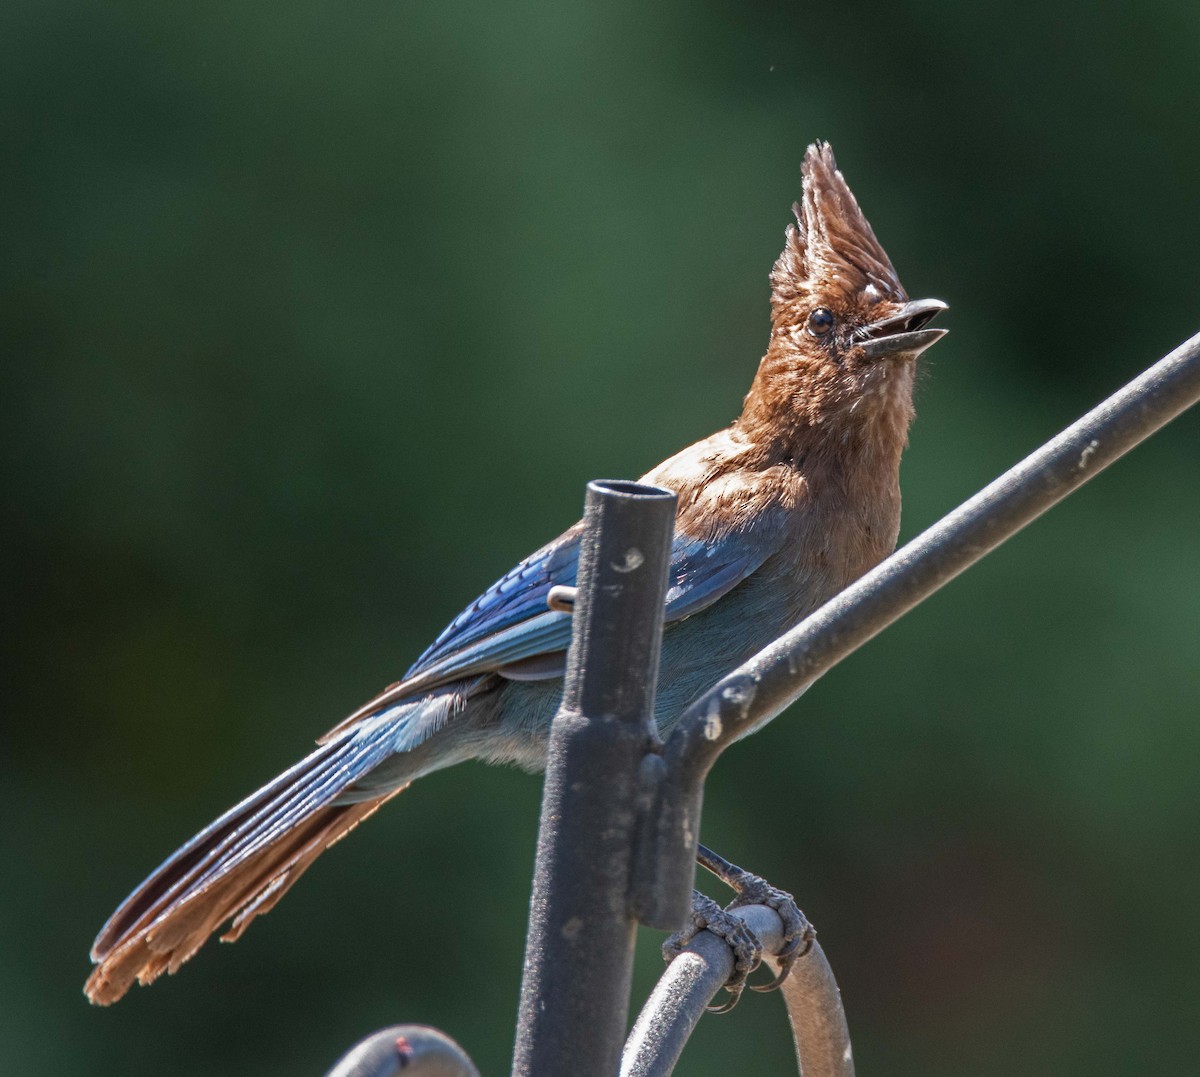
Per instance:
x=777, y=675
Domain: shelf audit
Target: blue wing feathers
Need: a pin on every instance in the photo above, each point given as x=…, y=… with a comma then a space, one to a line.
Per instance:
x=696, y=586
x=545, y=633
x=515, y=597
x=510, y=623
x=510, y=631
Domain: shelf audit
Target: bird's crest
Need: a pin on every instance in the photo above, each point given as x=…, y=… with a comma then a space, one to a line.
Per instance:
x=831, y=250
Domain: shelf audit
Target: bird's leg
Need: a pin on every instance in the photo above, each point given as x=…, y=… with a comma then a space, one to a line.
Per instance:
x=707, y=915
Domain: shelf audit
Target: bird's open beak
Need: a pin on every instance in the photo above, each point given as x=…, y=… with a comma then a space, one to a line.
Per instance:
x=903, y=331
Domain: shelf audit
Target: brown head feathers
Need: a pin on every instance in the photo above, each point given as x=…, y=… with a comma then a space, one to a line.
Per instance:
x=831, y=251
x=844, y=334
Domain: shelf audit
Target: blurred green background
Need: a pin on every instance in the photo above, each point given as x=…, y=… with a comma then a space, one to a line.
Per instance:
x=316, y=317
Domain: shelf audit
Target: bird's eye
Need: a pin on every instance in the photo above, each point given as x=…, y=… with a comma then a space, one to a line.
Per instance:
x=820, y=321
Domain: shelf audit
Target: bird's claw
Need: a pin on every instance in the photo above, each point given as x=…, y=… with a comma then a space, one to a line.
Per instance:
x=707, y=915
x=798, y=933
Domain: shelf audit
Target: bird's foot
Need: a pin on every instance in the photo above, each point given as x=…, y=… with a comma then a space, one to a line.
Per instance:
x=798, y=933
x=707, y=915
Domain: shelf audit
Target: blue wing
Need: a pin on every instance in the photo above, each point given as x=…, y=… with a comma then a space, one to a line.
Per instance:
x=516, y=601
x=509, y=624
x=509, y=629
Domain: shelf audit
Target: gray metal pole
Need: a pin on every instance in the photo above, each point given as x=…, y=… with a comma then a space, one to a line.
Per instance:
x=579, y=953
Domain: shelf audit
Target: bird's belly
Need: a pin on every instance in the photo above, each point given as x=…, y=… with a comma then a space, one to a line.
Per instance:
x=699, y=651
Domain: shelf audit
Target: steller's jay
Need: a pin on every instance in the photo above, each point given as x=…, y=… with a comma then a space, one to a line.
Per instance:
x=776, y=514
